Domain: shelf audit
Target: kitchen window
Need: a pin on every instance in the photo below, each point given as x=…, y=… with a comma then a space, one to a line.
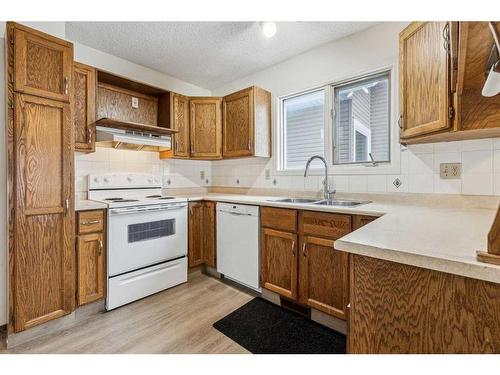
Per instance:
x=303, y=128
x=361, y=121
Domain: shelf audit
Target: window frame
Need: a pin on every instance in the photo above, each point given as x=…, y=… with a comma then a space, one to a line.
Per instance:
x=358, y=168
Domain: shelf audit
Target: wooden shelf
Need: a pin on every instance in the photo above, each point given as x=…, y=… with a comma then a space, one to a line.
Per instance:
x=125, y=125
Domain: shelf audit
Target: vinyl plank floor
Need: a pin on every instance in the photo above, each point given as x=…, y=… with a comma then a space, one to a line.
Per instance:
x=178, y=320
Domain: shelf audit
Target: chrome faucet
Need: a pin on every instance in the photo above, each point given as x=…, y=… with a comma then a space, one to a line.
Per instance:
x=327, y=193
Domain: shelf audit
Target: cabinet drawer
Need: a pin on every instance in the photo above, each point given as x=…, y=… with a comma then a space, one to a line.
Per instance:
x=324, y=224
x=279, y=218
x=90, y=221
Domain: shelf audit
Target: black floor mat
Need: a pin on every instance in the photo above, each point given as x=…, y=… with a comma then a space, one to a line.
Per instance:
x=264, y=328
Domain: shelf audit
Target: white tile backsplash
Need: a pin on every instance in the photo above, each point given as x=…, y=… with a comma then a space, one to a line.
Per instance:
x=419, y=170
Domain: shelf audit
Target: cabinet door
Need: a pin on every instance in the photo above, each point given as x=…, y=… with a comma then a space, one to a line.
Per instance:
x=209, y=228
x=279, y=262
x=323, y=276
x=43, y=262
x=180, y=120
x=84, y=81
x=424, y=78
x=43, y=64
x=238, y=125
x=206, y=128
x=196, y=234
x=90, y=253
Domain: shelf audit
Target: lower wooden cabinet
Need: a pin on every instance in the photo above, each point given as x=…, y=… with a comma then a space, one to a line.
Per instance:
x=279, y=262
x=90, y=256
x=323, y=276
x=201, y=241
x=299, y=260
x=91, y=275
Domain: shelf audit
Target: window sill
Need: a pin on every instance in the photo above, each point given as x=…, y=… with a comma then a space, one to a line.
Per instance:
x=348, y=169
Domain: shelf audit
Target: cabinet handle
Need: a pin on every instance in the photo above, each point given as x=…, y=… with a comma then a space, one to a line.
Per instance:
x=304, y=249
x=89, y=131
x=293, y=248
x=66, y=206
x=446, y=37
x=100, y=247
x=66, y=85
x=91, y=222
x=400, y=122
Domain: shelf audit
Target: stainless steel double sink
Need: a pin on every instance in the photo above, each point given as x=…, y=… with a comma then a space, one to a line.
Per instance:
x=322, y=202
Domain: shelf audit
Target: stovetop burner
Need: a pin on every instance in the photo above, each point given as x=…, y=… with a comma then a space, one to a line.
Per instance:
x=121, y=200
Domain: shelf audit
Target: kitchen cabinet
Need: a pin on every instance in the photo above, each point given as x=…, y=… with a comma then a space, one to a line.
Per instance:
x=84, y=107
x=42, y=63
x=424, y=68
x=247, y=123
x=442, y=73
x=202, y=234
x=299, y=260
x=279, y=262
x=206, y=128
x=180, y=122
x=361, y=220
x=209, y=234
x=91, y=259
x=40, y=180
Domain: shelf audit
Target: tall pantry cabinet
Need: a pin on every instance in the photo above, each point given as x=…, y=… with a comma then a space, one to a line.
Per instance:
x=40, y=177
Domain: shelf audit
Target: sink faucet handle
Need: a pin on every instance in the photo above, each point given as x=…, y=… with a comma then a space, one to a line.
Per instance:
x=330, y=194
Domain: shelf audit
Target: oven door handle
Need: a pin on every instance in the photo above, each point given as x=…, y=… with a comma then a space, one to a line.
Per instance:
x=121, y=211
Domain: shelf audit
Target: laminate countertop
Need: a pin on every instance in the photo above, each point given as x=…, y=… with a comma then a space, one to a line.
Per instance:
x=424, y=235
x=87, y=205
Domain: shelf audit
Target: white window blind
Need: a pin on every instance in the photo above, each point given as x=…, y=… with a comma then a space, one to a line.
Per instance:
x=303, y=128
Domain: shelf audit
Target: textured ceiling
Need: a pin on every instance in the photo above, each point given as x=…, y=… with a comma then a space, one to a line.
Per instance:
x=207, y=54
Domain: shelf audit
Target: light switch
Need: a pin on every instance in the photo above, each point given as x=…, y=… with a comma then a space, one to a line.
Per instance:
x=135, y=102
x=202, y=175
x=268, y=174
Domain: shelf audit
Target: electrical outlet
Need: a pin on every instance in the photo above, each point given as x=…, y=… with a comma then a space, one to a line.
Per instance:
x=202, y=175
x=268, y=174
x=448, y=171
x=135, y=102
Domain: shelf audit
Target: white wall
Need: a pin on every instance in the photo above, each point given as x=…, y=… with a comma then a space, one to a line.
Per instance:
x=417, y=167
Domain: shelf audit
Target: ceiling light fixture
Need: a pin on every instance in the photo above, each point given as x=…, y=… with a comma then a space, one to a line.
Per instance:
x=268, y=29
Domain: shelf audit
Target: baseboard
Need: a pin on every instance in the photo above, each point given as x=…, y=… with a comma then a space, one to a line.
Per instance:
x=56, y=325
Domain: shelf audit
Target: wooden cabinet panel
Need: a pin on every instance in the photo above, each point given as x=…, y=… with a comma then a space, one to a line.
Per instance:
x=362, y=220
x=206, y=128
x=279, y=262
x=323, y=276
x=90, y=221
x=91, y=275
x=424, y=66
x=397, y=308
x=238, y=126
x=196, y=235
x=180, y=122
x=84, y=110
x=43, y=64
x=247, y=123
x=209, y=232
x=279, y=218
x=43, y=262
x=324, y=224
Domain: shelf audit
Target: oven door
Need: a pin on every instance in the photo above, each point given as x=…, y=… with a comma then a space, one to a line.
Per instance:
x=142, y=236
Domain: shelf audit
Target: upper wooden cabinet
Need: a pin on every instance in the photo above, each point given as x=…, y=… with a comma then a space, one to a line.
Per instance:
x=442, y=73
x=180, y=122
x=424, y=78
x=84, y=110
x=247, y=123
x=206, y=128
x=43, y=64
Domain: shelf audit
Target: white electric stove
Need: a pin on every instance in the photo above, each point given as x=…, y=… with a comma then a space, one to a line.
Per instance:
x=146, y=236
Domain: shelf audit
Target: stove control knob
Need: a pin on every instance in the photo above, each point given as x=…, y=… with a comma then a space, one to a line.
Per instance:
x=157, y=180
x=129, y=178
x=150, y=180
x=106, y=180
x=97, y=180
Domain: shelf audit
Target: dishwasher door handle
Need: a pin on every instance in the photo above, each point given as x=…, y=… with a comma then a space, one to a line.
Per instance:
x=236, y=213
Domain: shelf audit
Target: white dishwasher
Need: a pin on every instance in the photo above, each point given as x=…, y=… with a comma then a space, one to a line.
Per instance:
x=238, y=243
